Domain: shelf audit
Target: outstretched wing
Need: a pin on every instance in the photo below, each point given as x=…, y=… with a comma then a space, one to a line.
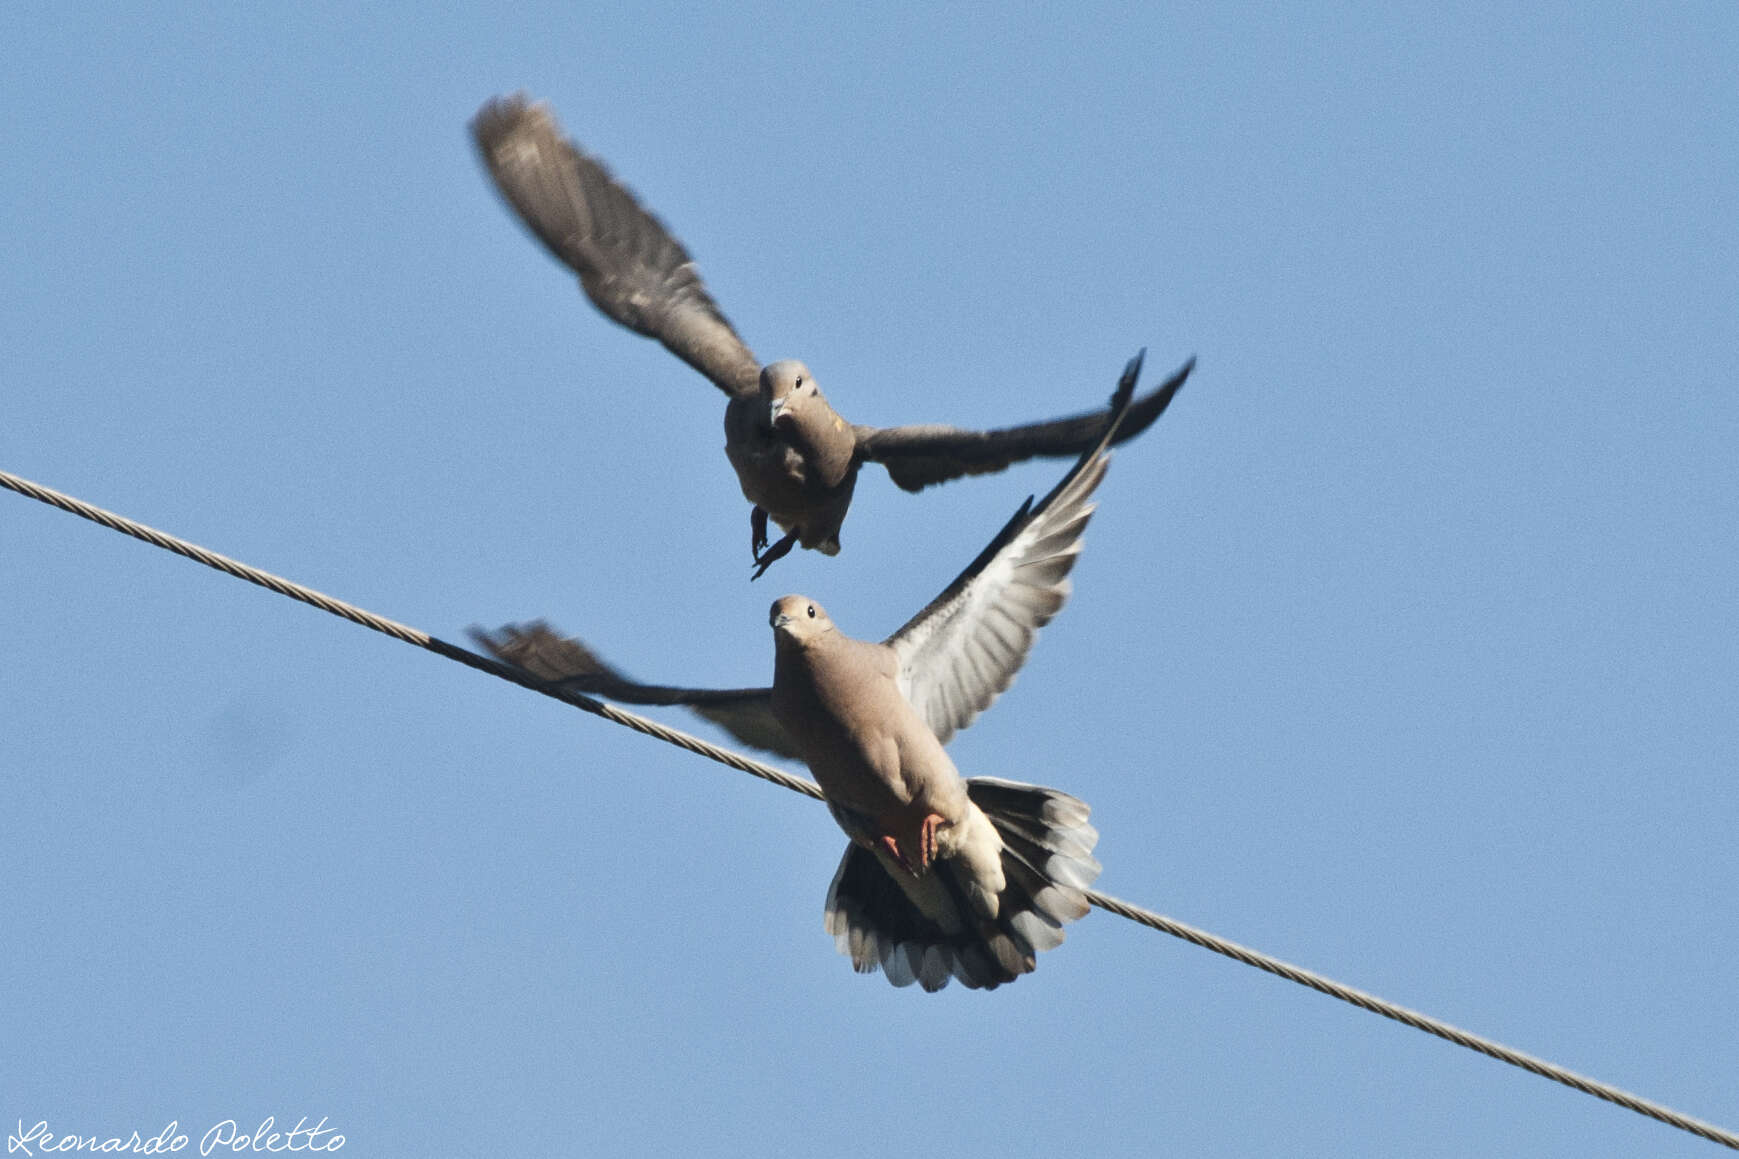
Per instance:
x=961, y=652
x=745, y=713
x=917, y=456
x=630, y=266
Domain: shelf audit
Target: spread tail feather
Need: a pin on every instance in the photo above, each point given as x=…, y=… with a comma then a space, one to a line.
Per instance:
x=1047, y=863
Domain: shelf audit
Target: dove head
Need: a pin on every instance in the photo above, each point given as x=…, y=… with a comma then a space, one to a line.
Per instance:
x=798, y=620
x=788, y=389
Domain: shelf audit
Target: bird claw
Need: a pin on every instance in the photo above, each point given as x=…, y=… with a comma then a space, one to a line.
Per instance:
x=766, y=559
x=927, y=845
x=892, y=845
x=927, y=837
x=757, y=531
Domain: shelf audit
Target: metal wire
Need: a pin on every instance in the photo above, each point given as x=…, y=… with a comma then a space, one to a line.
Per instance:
x=796, y=784
x=400, y=631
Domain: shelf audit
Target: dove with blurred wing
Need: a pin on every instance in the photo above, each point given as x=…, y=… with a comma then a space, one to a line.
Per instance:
x=795, y=458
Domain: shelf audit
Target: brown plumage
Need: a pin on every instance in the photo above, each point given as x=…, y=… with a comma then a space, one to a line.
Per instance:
x=944, y=876
x=796, y=459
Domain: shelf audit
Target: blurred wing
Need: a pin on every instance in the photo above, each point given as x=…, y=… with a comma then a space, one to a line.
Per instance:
x=917, y=456
x=961, y=652
x=745, y=713
x=631, y=268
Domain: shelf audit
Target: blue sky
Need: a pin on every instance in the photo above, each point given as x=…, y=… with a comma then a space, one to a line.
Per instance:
x=1404, y=646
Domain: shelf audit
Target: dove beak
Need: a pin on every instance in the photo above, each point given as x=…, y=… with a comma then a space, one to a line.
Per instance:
x=780, y=620
x=775, y=411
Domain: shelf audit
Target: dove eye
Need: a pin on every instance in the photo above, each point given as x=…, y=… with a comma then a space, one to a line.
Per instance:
x=811, y=611
x=799, y=382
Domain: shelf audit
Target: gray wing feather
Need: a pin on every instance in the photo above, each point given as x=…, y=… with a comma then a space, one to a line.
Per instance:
x=963, y=650
x=745, y=713
x=917, y=456
x=631, y=267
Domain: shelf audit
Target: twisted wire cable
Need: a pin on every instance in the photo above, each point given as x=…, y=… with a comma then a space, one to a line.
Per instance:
x=796, y=784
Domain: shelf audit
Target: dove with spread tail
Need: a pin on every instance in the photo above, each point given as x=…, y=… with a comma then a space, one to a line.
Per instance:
x=944, y=877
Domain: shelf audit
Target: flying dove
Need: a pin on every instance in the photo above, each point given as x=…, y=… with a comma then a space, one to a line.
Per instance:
x=943, y=877
x=795, y=458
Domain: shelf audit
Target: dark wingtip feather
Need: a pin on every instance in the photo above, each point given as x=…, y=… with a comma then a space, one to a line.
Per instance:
x=498, y=116
x=1143, y=412
x=541, y=651
x=1126, y=385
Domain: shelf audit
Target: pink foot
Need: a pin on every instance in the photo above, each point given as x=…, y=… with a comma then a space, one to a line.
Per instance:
x=927, y=837
x=892, y=845
x=926, y=850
